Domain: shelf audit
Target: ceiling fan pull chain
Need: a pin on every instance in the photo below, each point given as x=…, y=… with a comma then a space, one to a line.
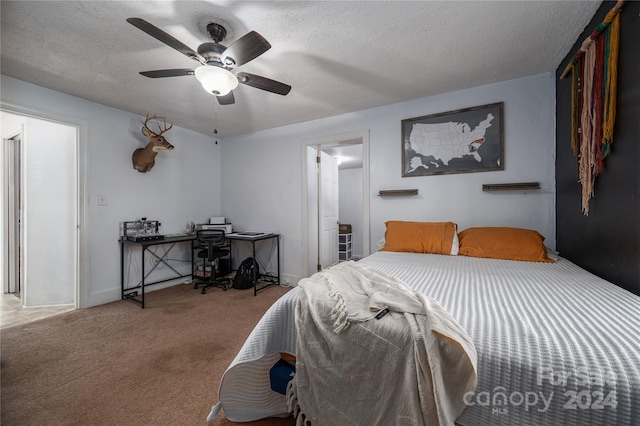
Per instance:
x=215, y=123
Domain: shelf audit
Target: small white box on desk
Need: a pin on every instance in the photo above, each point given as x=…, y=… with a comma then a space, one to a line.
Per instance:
x=217, y=220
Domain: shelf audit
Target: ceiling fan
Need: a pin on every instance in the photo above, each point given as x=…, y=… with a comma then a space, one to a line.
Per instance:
x=216, y=61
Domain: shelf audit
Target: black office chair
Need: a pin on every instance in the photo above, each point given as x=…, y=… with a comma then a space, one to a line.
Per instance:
x=212, y=247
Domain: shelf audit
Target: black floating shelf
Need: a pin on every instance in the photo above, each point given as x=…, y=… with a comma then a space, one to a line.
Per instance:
x=398, y=192
x=522, y=186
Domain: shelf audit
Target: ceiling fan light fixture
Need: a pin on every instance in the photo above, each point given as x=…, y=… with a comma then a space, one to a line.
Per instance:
x=215, y=80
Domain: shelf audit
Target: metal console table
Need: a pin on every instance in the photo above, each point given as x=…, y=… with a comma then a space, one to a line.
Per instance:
x=253, y=238
x=131, y=293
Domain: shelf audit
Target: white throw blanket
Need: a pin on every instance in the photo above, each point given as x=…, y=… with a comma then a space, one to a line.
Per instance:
x=357, y=365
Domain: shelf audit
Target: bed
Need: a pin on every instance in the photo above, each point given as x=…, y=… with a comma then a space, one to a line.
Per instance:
x=556, y=345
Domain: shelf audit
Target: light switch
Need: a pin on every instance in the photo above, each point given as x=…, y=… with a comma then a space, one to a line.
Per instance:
x=102, y=200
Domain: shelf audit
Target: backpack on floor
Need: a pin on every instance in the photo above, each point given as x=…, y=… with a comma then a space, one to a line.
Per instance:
x=244, y=277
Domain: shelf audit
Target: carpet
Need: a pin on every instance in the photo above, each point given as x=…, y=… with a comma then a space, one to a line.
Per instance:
x=117, y=364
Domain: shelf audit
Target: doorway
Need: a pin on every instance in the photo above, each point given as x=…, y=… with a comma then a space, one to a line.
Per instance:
x=350, y=194
x=333, y=145
x=41, y=210
x=11, y=202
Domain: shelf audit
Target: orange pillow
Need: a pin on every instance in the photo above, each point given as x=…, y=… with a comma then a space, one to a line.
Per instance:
x=420, y=237
x=503, y=243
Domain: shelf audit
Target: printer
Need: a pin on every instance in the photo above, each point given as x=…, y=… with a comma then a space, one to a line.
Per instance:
x=218, y=222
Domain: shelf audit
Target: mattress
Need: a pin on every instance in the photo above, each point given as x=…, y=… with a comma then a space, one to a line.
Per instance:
x=556, y=344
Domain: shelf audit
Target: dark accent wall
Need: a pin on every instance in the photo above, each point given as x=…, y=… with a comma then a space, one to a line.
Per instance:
x=607, y=242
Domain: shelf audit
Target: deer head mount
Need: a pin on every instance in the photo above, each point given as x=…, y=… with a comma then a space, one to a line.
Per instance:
x=145, y=158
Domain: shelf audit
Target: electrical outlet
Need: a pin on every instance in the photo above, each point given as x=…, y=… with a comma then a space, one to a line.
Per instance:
x=102, y=200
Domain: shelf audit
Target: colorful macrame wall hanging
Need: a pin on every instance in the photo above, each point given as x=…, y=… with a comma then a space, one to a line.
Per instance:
x=593, y=100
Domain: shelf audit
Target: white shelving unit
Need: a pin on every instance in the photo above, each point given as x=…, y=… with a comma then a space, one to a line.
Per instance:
x=344, y=247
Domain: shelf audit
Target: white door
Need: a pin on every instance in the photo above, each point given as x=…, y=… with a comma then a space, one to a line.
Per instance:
x=310, y=210
x=50, y=213
x=328, y=196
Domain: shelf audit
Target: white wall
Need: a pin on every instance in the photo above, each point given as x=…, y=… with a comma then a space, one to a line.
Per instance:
x=261, y=172
x=184, y=184
x=11, y=125
x=351, y=206
x=258, y=185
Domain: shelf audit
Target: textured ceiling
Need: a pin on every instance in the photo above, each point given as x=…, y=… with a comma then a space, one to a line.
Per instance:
x=339, y=56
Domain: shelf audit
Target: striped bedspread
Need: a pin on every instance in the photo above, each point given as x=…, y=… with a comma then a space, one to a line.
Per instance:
x=556, y=345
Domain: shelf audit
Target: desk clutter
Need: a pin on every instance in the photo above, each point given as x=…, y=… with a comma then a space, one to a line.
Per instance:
x=149, y=230
x=141, y=230
x=210, y=261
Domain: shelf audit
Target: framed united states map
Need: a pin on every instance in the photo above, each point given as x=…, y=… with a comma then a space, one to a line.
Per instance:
x=462, y=141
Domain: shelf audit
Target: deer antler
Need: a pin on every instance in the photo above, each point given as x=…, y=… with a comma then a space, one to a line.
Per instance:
x=160, y=129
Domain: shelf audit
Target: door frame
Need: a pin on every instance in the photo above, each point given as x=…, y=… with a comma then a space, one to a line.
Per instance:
x=81, y=284
x=309, y=192
x=11, y=165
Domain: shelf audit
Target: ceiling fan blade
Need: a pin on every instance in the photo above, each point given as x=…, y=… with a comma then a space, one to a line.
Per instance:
x=167, y=39
x=263, y=83
x=167, y=73
x=226, y=99
x=246, y=48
